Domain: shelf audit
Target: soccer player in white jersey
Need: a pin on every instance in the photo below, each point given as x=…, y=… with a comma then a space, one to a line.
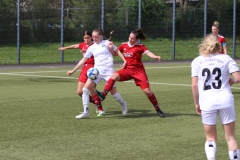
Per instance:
x=102, y=50
x=212, y=94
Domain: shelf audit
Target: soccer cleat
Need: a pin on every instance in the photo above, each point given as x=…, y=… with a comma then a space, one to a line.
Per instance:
x=83, y=115
x=97, y=111
x=100, y=95
x=101, y=113
x=160, y=113
x=124, y=108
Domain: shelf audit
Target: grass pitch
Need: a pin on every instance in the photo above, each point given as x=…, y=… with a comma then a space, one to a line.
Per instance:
x=38, y=105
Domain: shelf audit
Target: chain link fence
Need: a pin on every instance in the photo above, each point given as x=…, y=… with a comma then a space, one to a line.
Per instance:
x=40, y=30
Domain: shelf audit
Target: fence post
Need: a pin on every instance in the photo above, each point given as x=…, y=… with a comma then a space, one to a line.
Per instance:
x=18, y=32
x=102, y=17
x=139, y=15
x=205, y=17
x=234, y=30
x=173, y=29
x=62, y=31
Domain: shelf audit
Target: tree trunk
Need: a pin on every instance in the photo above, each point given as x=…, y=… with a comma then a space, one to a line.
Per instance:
x=184, y=5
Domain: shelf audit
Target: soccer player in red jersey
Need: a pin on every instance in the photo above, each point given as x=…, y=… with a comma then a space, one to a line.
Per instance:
x=133, y=68
x=221, y=39
x=83, y=46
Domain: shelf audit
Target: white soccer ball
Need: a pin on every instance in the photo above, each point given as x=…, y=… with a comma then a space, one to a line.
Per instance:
x=92, y=73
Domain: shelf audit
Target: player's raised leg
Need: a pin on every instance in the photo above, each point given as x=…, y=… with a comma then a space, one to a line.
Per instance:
x=108, y=86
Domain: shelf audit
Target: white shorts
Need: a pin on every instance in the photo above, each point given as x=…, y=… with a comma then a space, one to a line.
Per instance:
x=103, y=77
x=227, y=115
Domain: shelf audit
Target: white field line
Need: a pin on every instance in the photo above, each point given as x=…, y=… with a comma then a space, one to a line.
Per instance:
x=59, y=77
x=37, y=72
x=80, y=70
x=30, y=75
x=168, y=67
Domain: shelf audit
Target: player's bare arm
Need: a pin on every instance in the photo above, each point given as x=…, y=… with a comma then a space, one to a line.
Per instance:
x=152, y=55
x=74, y=46
x=225, y=49
x=195, y=94
x=124, y=60
x=235, y=79
x=80, y=63
x=111, y=49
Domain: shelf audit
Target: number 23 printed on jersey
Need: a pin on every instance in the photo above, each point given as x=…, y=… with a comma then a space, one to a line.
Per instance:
x=216, y=74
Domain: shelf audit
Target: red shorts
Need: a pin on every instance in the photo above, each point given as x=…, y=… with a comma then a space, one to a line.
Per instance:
x=83, y=74
x=137, y=73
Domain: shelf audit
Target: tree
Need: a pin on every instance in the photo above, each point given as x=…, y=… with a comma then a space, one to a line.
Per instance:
x=8, y=20
x=153, y=14
x=184, y=4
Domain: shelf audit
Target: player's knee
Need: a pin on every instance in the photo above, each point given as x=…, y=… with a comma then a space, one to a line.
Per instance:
x=85, y=91
x=148, y=93
x=80, y=93
x=113, y=91
x=115, y=77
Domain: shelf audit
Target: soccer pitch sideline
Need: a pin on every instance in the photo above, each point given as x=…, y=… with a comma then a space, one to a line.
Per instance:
x=38, y=105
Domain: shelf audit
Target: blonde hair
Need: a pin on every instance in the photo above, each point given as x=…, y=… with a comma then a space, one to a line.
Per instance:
x=210, y=45
x=216, y=24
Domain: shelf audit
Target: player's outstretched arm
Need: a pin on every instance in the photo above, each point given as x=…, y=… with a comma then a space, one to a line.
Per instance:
x=80, y=63
x=152, y=55
x=74, y=46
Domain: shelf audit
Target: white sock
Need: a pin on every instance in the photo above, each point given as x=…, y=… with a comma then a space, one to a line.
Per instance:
x=85, y=99
x=210, y=149
x=118, y=97
x=234, y=155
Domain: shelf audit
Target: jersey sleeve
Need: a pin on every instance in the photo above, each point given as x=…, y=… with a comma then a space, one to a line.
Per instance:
x=232, y=65
x=224, y=43
x=114, y=47
x=80, y=45
x=144, y=49
x=194, y=68
x=88, y=53
x=120, y=48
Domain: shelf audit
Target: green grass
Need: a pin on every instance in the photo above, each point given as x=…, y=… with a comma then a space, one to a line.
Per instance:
x=38, y=105
x=36, y=53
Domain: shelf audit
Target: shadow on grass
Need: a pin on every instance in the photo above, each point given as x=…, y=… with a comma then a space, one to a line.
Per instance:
x=143, y=114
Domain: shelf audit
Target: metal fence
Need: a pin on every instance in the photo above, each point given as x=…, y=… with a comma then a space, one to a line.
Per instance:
x=33, y=35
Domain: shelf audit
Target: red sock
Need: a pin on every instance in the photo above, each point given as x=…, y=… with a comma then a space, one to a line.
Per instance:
x=154, y=101
x=91, y=99
x=108, y=86
x=97, y=102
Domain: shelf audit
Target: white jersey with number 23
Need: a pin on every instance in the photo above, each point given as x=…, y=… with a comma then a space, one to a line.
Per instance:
x=213, y=74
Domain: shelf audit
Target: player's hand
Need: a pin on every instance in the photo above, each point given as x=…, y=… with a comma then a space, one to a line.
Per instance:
x=123, y=65
x=110, y=45
x=231, y=81
x=70, y=73
x=61, y=48
x=158, y=58
x=83, y=51
x=198, y=109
